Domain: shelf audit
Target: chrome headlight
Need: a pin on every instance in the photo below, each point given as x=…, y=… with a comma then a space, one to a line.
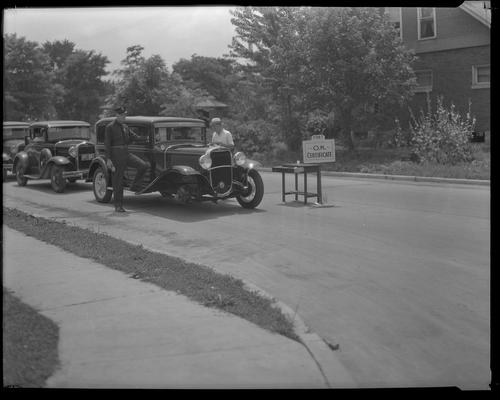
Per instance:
x=5, y=157
x=72, y=151
x=240, y=158
x=205, y=161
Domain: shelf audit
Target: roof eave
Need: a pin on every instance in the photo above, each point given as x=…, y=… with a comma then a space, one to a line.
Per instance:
x=478, y=16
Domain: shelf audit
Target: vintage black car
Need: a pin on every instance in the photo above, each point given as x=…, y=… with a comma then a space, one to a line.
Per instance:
x=55, y=150
x=181, y=163
x=13, y=141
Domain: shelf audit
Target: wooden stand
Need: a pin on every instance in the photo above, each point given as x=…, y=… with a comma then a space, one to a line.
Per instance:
x=297, y=169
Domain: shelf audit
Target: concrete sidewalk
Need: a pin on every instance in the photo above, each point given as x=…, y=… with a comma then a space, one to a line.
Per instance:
x=118, y=332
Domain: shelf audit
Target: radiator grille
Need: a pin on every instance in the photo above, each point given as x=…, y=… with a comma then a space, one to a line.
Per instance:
x=221, y=171
x=85, y=149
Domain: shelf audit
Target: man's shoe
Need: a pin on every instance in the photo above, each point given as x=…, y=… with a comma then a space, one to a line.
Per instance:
x=119, y=209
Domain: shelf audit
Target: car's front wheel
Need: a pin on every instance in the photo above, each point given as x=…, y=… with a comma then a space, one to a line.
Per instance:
x=253, y=196
x=20, y=178
x=100, y=185
x=57, y=181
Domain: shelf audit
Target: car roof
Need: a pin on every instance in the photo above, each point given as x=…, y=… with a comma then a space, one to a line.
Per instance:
x=60, y=123
x=152, y=119
x=15, y=123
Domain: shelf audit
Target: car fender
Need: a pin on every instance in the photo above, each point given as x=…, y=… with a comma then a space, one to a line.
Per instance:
x=58, y=160
x=182, y=169
x=45, y=157
x=21, y=159
x=99, y=161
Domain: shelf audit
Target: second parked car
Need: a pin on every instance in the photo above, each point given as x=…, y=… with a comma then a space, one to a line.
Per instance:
x=55, y=150
x=13, y=141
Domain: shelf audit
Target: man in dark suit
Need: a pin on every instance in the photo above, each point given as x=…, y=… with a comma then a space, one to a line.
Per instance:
x=116, y=140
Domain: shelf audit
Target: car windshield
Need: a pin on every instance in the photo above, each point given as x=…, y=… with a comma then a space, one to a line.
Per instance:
x=69, y=132
x=180, y=134
x=14, y=133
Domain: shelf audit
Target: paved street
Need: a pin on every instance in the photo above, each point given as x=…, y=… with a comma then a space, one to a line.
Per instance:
x=396, y=273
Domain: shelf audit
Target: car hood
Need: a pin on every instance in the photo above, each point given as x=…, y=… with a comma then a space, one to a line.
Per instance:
x=71, y=142
x=11, y=142
x=190, y=149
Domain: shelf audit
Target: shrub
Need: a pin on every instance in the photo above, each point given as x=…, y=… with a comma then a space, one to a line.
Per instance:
x=256, y=136
x=441, y=137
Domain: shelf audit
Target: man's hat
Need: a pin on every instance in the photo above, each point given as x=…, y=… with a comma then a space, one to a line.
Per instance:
x=120, y=110
x=215, y=121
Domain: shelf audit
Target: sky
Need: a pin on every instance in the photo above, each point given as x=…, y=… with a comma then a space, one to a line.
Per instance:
x=171, y=32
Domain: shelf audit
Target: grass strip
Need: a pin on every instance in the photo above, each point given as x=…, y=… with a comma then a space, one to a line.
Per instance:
x=30, y=343
x=197, y=282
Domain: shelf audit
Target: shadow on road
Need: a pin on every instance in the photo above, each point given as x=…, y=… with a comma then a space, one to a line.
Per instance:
x=158, y=206
x=43, y=185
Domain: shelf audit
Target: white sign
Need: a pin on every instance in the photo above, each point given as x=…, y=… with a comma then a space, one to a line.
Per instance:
x=318, y=151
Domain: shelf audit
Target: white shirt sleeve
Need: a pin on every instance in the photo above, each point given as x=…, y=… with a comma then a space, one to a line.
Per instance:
x=229, y=138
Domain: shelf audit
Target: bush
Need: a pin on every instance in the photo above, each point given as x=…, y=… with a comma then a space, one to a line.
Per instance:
x=256, y=136
x=442, y=137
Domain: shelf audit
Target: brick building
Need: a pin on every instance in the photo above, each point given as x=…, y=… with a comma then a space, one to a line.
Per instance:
x=453, y=50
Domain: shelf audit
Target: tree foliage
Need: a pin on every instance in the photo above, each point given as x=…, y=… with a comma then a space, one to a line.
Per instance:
x=52, y=81
x=214, y=75
x=146, y=87
x=83, y=88
x=27, y=80
x=346, y=61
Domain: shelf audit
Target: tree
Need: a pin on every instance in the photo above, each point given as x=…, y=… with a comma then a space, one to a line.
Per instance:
x=356, y=64
x=80, y=76
x=58, y=51
x=215, y=75
x=345, y=61
x=146, y=87
x=141, y=83
x=270, y=38
x=28, y=77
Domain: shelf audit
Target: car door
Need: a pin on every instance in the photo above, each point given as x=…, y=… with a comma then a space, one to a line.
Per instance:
x=38, y=140
x=142, y=148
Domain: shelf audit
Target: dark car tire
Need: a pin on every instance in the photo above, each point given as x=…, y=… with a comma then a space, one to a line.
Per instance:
x=100, y=186
x=256, y=193
x=57, y=181
x=20, y=178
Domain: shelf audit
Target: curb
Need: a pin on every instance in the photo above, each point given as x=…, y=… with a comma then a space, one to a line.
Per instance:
x=334, y=373
x=400, y=177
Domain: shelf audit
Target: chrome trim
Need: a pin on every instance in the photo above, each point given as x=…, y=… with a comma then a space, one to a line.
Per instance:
x=220, y=166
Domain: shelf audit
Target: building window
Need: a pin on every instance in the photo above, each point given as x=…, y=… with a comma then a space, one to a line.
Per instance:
x=480, y=76
x=426, y=23
x=424, y=81
x=394, y=14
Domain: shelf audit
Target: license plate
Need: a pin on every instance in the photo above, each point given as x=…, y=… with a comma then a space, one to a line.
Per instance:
x=85, y=157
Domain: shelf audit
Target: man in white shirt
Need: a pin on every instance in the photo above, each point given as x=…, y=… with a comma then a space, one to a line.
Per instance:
x=221, y=136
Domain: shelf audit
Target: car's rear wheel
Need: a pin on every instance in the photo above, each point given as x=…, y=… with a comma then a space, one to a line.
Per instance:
x=255, y=192
x=57, y=181
x=20, y=178
x=100, y=185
